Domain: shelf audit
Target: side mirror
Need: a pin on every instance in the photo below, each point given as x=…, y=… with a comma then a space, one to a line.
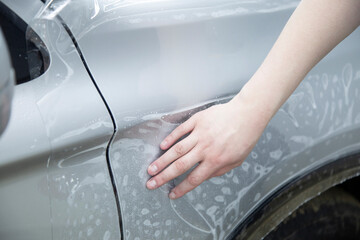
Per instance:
x=7, y=77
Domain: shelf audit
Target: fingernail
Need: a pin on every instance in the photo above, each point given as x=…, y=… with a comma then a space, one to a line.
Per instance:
x=153, y=168
x=172, y=195
x=152, y=184
x=163, y=143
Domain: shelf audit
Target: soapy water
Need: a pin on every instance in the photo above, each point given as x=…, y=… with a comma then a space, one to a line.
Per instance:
x=322, y=106
x=79, y=186
x=229, y=198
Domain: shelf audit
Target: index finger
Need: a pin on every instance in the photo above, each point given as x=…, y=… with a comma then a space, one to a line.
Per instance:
x=175, y=152
x=177, y=133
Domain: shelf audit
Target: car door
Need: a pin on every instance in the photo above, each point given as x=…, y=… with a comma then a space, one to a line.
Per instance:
x=54, y=176
x=158, y=62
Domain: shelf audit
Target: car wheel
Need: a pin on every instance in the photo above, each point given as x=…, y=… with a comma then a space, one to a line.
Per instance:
x=335, y=214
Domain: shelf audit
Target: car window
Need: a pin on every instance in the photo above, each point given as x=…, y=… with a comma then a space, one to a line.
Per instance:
x=28, y=53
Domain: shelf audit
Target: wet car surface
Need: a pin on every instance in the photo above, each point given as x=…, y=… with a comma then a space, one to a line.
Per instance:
x=123, y=74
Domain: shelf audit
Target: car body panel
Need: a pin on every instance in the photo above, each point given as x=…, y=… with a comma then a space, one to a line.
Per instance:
x=162, y=61
x=147, y=48
x=160, y=66
x=157, y=63
x=6, y=84
x=301, y=189
x=26, y=9
x=55, y=182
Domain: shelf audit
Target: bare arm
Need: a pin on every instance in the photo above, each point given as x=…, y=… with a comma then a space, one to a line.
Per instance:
x=222, y=136
x=313, y=30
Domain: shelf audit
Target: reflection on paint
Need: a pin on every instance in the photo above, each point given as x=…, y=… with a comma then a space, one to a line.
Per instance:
x=78, y=128
x=83, y=16
x=222, y=202
x=318, y=122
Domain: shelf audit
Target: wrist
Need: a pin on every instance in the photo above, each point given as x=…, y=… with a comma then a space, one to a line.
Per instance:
x=258, y=101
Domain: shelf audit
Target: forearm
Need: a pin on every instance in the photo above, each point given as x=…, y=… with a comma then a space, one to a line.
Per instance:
x=313, y=30
x=221, y=137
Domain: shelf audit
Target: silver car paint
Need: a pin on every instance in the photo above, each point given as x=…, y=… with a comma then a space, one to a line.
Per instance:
x=6, y=84
x=155, y=69
x=54, y=181
x=161, y=61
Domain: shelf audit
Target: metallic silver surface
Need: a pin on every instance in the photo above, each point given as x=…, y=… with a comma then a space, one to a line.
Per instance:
x=162, y=59
x=54, y=181
x=6, y=84
x=25, y=9
x=296, y=193
x=291, y=145
x=156, y=63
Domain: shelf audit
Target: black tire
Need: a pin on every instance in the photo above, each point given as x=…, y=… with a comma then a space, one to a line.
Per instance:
x=334, y=215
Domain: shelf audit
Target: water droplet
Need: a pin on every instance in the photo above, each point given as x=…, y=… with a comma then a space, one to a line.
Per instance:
x=257, y=197
x=145, y=211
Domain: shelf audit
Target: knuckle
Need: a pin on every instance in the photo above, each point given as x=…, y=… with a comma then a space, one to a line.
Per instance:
x=180, y=166
x=179, y=150
x=217, y=161
x=194, y=180
x=203, y=149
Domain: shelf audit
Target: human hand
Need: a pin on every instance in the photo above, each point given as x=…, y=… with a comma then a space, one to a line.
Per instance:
x=222, y=136
x=220, y=139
